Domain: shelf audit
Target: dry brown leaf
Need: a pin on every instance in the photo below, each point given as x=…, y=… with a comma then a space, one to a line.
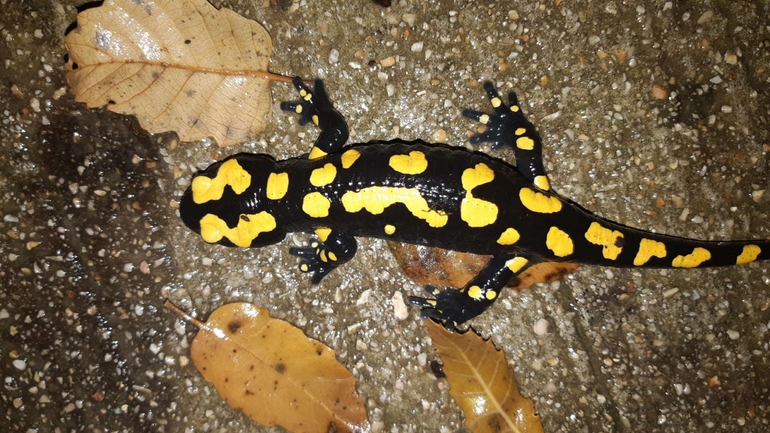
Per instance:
x=439, y=267
x=275, y=374
x=177, y=65
x=482, y=384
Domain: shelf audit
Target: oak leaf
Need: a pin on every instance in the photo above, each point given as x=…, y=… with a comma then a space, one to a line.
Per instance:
x=271, y=371
x=482, y=384
x=177, y=65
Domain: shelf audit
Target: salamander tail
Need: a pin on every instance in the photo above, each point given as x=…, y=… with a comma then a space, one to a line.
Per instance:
x=623, y=246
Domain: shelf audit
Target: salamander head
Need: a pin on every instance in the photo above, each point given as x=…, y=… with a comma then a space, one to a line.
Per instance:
x=229, y=202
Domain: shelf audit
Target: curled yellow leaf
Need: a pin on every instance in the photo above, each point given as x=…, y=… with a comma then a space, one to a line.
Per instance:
x=482, y=384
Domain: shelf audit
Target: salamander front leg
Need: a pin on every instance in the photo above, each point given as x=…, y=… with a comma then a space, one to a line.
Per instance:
x=453, y=307
x=314, y=106
x=508, y=127
x=322, y=255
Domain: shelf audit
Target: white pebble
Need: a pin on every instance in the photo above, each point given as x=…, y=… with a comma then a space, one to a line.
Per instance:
x=400, y=311
x=334, y=56
x=541, y=327
x=19, y=364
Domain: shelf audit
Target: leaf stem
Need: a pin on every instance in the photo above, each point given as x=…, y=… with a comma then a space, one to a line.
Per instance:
x=278, y=77
x=183, y=314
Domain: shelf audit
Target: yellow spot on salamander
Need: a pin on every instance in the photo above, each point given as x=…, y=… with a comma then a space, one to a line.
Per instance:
x=474, y=292
x=316, y=153
x=692, y=260
x=390, y=229
x=323, y=175
x=477, y=212
x=611, y=240
x=322, y=256
x=509, y=237
x=376, y=198
x=496, y=102
x=414, y=163
x=484, y=119
x=520, y=131
x=474, y=211
x=490, y=295
x=349, y=157
x=316, y=205
x=542, y=182
x=478, y=175
x=323, y=233
x=230, y=173
x=749, y=254
x=332, y=256
x=539, y=202
x=298, y=109
x=277, y=185
x=516, y=264
x=515, y=108
x=649, y=248
x=559, y=242
x=315, y=119
x=213, y=228
x=525, y=143
x=303, y=267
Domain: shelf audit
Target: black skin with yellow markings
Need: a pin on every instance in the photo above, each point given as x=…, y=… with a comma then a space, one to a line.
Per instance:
x=431, y=195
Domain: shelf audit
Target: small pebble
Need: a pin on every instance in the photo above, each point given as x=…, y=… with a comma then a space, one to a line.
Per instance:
x=670, y=292
x=541, y=327
x=705, y=17
x=659, y=92
x=439, y=136
x=388, y=62
x=20, y=364
x=400, y=310
x=334, y=56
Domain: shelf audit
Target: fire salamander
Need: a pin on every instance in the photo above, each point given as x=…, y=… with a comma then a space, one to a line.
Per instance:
x=431, y=195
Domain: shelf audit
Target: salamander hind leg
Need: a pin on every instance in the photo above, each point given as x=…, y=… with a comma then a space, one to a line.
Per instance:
x=508, y=126
x=453, y=307
x=314, y=106
x=322, y=255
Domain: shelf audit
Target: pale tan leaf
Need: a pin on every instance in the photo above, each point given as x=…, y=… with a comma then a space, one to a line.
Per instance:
x=177, y=65
x=482, y=384
x=271, y=371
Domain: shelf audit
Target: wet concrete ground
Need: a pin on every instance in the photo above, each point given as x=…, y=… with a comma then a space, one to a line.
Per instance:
x=654, y=114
